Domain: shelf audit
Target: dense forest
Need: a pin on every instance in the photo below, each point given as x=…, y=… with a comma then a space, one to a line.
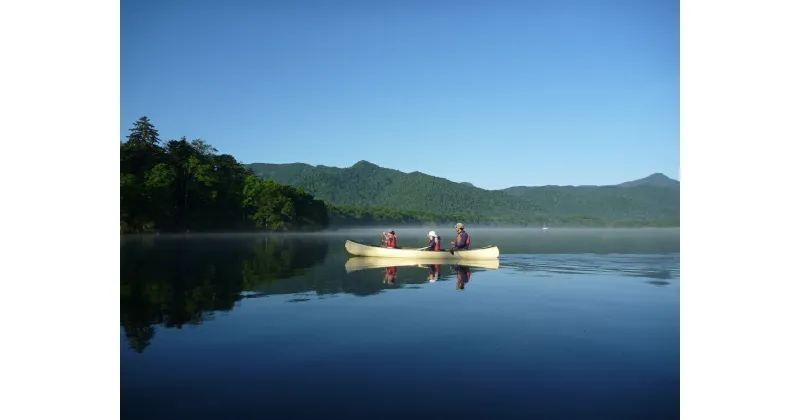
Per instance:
x=347, y=216
x=186, y=186
x=181, y=185
x=368, y=185
x=365, y=193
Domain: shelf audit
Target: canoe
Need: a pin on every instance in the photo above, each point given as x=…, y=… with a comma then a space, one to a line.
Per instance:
x=362, y=250
x=363, y=263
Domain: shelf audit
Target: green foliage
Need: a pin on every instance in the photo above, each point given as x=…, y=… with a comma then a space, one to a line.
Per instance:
x=366, y=194
x=186, y=186
x=282, y=207
x=368, y=185
x=606, y=202
x=343, y=216
x=143, y=133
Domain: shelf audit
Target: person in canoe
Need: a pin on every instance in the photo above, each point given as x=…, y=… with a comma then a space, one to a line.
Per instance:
x=462, y=239
x=390, y=239
x=434, y=242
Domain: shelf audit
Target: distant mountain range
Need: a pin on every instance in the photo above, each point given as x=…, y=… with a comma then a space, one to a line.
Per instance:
x=655, y=197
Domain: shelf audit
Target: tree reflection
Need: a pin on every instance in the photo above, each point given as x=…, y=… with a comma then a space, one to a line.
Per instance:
x=185, y=281
x=175, y=282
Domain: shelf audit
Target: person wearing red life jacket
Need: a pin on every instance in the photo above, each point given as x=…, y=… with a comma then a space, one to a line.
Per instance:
x=390, y=239
x=462, y=239
x=434, y=242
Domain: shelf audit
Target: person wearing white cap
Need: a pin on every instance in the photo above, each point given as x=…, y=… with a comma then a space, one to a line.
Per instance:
x=434, y=242
x=462, y=239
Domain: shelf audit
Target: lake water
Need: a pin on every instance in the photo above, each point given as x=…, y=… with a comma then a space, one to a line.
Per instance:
x=576, y=323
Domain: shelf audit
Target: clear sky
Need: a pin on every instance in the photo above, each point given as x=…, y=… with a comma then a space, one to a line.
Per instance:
x=494, y=93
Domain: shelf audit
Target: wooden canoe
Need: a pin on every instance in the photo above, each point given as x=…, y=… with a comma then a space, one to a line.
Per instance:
x=363, y=263
x=362, y=250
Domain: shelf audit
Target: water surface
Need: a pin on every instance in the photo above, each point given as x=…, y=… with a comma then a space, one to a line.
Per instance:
x=571, y=324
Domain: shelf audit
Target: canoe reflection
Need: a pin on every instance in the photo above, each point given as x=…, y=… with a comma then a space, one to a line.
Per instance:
x=437, y=270
x=362, y=263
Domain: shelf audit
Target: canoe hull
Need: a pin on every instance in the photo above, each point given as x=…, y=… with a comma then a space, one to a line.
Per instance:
x=362, y=263
x=362, y=250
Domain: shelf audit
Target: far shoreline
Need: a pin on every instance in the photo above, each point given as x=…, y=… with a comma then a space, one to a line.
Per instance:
x=379, y=229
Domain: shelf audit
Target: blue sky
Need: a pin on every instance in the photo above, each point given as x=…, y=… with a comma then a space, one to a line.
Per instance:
x=497, y=94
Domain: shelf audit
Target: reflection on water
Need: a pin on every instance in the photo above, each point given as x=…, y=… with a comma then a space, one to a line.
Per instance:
x=390, y=269
x=211, y=326
x=177, y=282
x=658, y=283
x=660, y=267
x=463, y=276
x=362, y=263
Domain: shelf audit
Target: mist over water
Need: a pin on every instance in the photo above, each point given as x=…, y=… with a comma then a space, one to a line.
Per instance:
x=511, y=240
x=571, y=323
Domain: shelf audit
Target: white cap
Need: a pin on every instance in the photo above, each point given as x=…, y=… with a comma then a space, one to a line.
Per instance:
x=431, y=233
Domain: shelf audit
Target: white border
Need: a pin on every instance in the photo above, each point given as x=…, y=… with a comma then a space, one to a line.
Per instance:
x=739, y=112
x=739, y=116
x=60, y=99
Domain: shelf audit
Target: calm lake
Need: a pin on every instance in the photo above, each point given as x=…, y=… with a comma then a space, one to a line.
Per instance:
x=572, y=323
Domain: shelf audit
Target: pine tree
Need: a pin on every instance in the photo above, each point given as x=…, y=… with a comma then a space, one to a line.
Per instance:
x=143, y=132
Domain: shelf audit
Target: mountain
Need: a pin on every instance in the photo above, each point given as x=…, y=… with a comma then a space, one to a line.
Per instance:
x=655, y=197
x=368, y=185
x=654, y=180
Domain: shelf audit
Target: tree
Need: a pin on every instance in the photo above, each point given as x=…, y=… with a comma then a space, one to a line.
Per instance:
x=186, y=185
x=143, y=133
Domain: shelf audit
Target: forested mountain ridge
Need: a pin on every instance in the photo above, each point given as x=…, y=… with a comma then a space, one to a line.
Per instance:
x=365, y=184
x=181, y=185
x=368, y=185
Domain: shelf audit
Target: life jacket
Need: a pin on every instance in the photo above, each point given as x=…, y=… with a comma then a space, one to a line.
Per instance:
x=437, y=246
x=466, y=241
x=391, y=241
